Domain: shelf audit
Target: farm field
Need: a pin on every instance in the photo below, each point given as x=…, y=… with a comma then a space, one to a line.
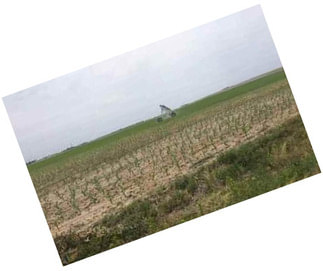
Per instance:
x=217, y=151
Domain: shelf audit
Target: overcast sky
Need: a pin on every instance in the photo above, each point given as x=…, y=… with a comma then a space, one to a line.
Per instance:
x=123, y=90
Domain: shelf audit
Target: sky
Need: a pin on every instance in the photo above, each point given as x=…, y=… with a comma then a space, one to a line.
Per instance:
x=102, y=98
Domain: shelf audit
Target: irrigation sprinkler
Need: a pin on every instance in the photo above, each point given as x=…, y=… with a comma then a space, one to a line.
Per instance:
x=166, y=113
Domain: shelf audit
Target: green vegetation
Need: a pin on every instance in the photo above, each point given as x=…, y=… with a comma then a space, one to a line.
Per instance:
x=282, y=156
x=231, y=93
x=220, y=150
x=147, y=126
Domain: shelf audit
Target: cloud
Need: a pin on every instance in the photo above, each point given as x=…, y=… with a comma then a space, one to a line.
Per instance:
x=115, y=93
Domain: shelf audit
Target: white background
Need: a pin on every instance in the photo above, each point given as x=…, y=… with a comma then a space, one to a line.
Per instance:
x=41, y=40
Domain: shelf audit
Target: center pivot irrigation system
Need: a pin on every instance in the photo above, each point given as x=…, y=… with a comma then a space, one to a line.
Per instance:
x=166, y=113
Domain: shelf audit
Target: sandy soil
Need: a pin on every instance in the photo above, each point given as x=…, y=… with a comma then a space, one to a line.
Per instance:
x=77, y=205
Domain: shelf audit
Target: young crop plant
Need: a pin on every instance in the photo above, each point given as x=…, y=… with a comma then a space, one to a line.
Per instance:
x=73, y=200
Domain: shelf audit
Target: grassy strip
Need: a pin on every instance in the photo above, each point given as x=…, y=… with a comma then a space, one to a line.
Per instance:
x=236, y=91
x=281, y=157
x=182, y=114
